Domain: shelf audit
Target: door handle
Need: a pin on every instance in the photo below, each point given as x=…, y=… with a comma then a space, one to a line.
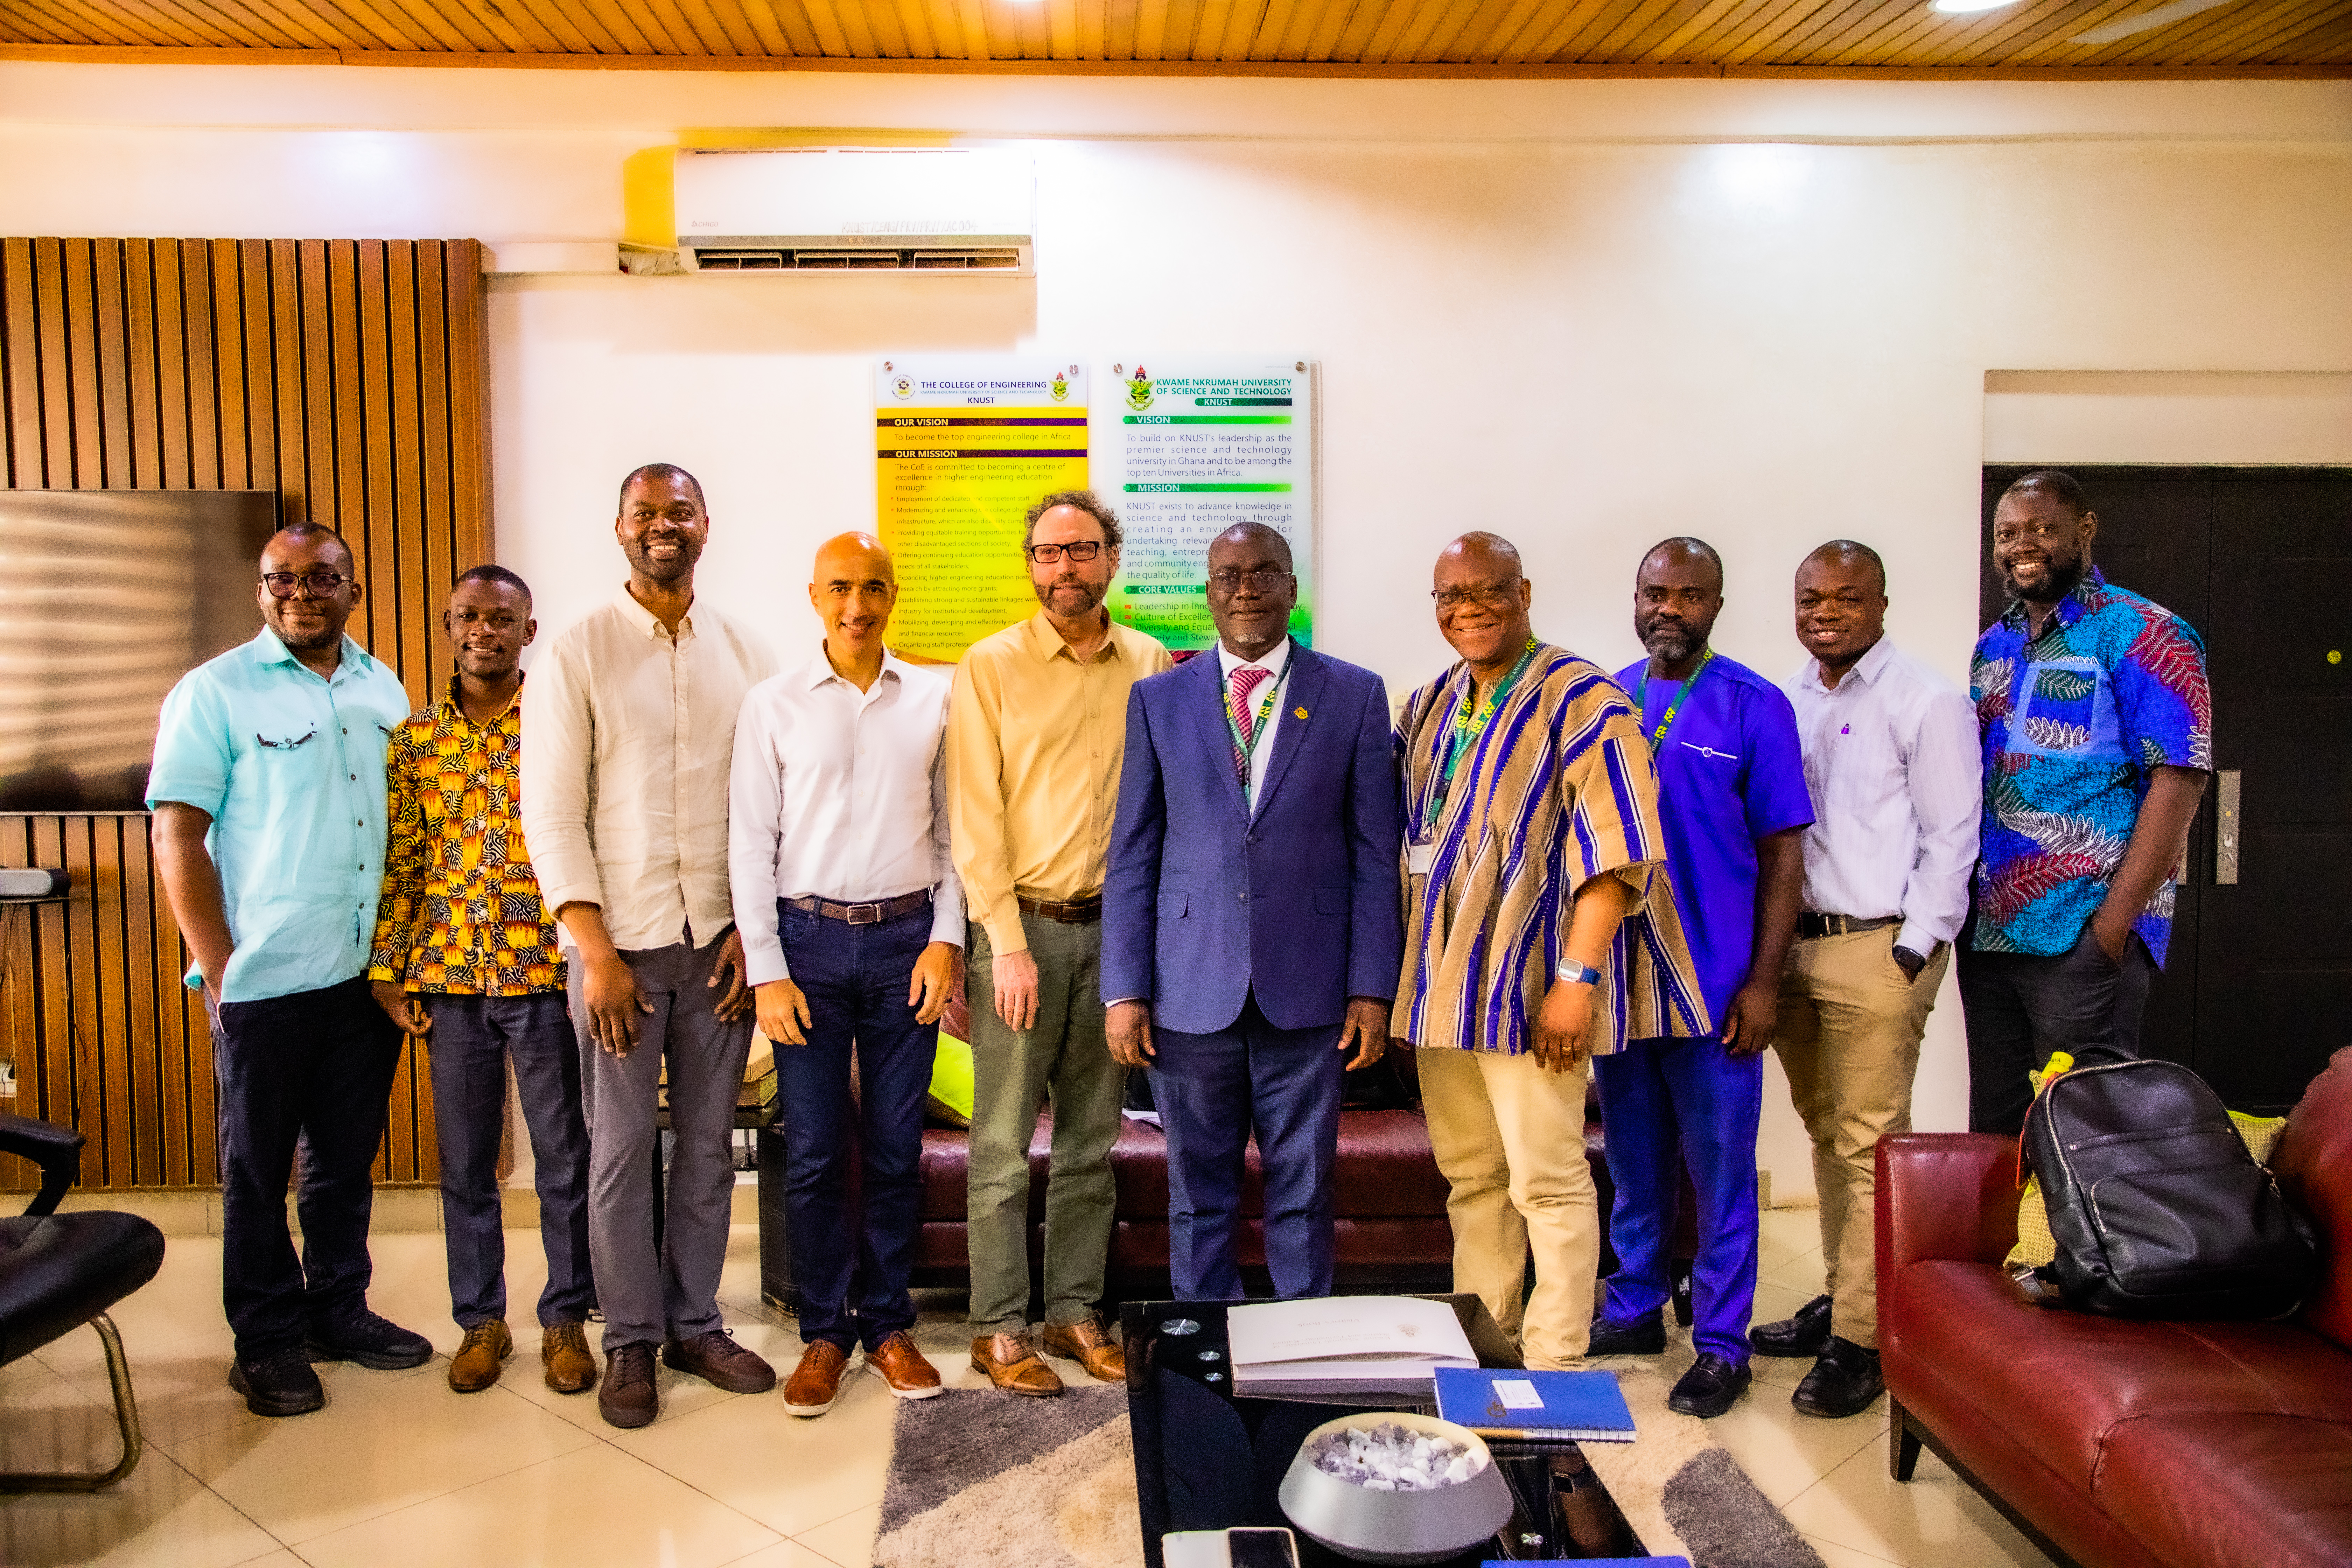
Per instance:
x=2225, y=832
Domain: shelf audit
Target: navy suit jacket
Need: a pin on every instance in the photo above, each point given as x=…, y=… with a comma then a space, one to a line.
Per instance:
x=1202, y=901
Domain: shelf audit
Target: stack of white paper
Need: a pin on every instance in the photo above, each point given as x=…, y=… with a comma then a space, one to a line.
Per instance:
x=1344, y=1345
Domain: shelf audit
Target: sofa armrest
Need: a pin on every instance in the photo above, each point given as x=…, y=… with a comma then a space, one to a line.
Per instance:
x=1946, y=1196
x=56, y=1150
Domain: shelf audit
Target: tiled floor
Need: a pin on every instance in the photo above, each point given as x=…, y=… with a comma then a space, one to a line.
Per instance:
x=398, y=1470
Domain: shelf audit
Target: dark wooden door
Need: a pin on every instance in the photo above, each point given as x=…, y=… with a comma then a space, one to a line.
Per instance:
x=2258, y=988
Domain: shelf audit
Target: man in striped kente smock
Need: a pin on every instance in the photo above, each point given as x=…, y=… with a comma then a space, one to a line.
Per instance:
x=1532, y=832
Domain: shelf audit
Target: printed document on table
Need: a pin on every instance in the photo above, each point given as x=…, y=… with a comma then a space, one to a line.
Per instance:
x=1345, y=1338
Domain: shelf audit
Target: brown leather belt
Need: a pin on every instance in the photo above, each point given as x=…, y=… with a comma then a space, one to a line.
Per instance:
x=1812, y=927
x=867, y=914
x=1074, y=912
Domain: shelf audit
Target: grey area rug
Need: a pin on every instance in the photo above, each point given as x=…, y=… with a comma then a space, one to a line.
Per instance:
x=984, y=1480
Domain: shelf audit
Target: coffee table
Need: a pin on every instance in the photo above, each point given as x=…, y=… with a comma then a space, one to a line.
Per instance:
x=1207, y=1460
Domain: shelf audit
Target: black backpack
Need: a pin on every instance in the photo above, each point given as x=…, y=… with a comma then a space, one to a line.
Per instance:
x=2158, y=1209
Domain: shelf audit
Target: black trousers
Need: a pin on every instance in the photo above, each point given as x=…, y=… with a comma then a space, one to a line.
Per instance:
x=2020, y=1008
x=313, y=1070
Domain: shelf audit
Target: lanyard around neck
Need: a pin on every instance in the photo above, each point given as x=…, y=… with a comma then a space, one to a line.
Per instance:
x=1470, y=723
x=1248, y=748
x=1666, y=720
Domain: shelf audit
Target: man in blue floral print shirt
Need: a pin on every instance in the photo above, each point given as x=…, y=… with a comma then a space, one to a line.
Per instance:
x=2097, y=727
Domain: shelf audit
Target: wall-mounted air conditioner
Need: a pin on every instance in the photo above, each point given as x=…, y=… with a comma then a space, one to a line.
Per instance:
x=857, y=209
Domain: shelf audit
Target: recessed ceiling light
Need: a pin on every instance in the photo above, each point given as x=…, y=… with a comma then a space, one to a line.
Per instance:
x=1964, y=7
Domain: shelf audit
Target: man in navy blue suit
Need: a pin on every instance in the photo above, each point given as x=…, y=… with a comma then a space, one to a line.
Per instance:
x=1252, y=913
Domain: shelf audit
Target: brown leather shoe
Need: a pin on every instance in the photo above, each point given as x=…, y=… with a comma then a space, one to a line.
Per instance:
x=627, y=1397
x=717, y=1359
x=1013, y=1364
x=476, y=1365
x=1088, y=1344
x=570, y=1365
x=906, y=1370
x=816, y=1381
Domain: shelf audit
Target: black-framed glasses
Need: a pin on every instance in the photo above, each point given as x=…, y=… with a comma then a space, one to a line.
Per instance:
x=1486, y=595
x=1264, y=580
x=322, y=584
x=1082, y=550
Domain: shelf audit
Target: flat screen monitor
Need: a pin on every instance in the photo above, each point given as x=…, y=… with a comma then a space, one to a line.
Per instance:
x=107, y=597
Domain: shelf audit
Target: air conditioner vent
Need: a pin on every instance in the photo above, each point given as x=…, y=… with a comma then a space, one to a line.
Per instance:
x=813, y=260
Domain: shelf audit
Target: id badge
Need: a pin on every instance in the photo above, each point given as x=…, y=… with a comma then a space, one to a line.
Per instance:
x=1419, y=857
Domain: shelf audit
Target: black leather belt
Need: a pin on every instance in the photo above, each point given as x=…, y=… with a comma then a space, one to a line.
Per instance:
x=1073, y=912
x=1810, y=927
x=861, y=914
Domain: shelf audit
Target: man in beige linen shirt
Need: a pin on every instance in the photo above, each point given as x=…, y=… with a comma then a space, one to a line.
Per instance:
x=1036, y=731
x=631, y=715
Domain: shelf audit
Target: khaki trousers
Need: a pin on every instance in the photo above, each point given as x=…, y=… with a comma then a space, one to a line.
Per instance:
x=1509, y=1136
x=1848, y=1035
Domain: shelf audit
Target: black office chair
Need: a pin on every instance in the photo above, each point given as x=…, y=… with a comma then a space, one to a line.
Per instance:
x=59, y=1271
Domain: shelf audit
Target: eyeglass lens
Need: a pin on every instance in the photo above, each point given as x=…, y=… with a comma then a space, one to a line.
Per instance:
x=1265, y=582
x=1084, y=550
x=321, y=583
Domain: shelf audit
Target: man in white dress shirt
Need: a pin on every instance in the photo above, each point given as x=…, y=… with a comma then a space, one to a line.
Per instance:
x=1891, y=762
x=852, y=917
x=631, y=715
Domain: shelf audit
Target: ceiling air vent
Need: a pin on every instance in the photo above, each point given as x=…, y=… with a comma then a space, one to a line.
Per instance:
x=857, y=209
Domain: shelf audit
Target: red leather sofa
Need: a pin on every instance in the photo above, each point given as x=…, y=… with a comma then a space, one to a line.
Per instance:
x=2136, y=1445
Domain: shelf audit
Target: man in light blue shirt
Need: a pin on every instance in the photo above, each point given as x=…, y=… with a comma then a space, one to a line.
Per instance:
x=270, y=810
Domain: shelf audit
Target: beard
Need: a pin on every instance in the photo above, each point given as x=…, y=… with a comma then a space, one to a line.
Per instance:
x=1670, y=642
x=304, y=642
x=663, y=571
x=2059, y=578
x=1087, y=591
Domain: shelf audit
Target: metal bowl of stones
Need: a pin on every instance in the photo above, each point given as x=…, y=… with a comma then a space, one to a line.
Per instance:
x=1384, y=1487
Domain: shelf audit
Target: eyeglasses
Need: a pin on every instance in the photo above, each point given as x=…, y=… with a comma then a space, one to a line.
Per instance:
x=322, y=584
x=1486, y=595
x=1265, y=579
x=1046, y=554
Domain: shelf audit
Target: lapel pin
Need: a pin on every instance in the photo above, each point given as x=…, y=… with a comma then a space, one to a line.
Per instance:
x=1300, y=711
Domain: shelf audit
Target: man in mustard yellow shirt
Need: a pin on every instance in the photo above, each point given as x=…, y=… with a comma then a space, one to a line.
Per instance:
x=1036, y=731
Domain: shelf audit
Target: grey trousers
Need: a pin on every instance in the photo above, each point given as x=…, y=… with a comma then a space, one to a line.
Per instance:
x=648, y=1296
x=1063, y=1058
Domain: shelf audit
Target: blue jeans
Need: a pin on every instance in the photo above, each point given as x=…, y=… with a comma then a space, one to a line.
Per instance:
x=313, y=1069
x=472, y=1037
x=853, y=1269
x=1213, y=1091
x=1667, y=1102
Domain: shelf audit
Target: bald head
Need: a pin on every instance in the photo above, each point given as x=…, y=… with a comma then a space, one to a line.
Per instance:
x=1483, y=555
x=1684, y=551
x=1257, y=539
x=853, y=588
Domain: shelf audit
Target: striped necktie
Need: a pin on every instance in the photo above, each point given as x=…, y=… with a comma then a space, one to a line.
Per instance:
x=1248, y=678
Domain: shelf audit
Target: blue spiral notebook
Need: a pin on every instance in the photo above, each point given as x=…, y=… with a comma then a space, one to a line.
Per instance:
x=1534, y=1406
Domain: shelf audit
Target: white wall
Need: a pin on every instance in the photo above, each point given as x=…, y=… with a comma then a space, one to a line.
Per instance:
x=1584, y=314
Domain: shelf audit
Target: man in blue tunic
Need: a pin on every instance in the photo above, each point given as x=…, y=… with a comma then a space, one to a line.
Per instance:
x=1731, y=789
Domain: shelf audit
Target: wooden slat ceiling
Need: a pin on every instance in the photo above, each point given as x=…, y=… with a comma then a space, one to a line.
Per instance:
x=1340, y=37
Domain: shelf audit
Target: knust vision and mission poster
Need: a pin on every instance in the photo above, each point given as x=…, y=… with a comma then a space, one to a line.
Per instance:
x=1202, y=446
x=964, y=446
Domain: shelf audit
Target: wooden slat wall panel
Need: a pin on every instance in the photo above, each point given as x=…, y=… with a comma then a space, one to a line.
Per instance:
x=348, y=375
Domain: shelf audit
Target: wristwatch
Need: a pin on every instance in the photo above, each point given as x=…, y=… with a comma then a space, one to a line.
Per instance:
x=1577, y=974
x=1912, y=962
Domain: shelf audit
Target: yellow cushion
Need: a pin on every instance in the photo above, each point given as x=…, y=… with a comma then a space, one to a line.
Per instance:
x=950, y=1097
x=2035, y=1245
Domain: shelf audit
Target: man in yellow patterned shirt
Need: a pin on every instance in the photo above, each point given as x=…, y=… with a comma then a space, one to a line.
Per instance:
x=466, y=955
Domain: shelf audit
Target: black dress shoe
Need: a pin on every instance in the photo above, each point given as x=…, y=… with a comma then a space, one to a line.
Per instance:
x=1843, y=1382
x=1710, y=1387
x=279, y=1384
x=1647, y=1337
x=362, y=1337
x=1807, y=1333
